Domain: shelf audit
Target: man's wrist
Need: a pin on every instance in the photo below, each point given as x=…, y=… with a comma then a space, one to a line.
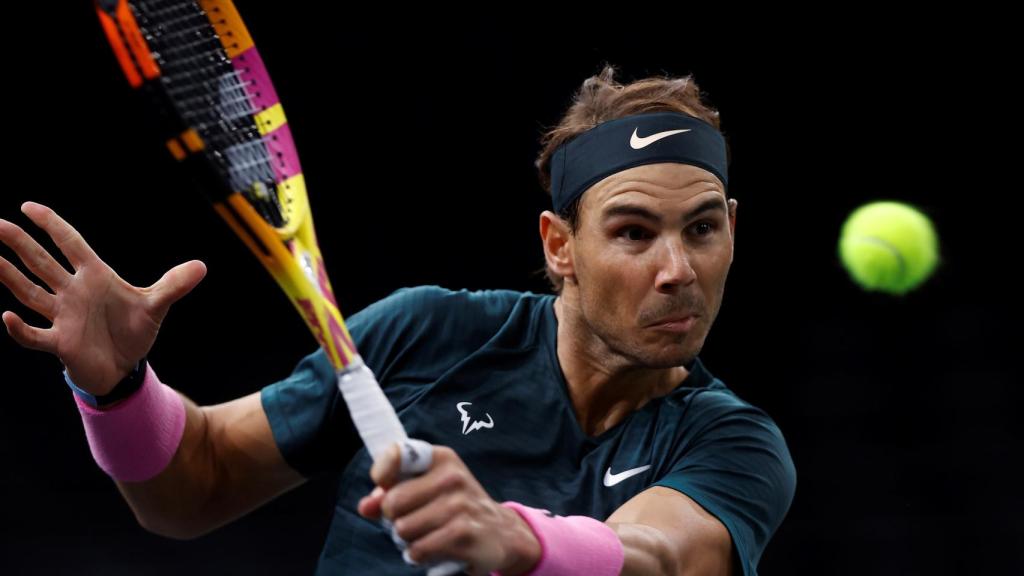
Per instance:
x=125, y=388
x=571, y=544
x=523, y=544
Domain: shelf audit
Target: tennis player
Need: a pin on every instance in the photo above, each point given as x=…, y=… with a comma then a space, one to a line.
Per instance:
x=573, y=433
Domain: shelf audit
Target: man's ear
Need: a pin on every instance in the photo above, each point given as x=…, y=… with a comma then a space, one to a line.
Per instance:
x=732, y=204
x=556, y=240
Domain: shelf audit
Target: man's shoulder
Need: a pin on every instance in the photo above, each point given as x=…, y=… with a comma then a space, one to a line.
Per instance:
x=709, y=402
x=432, y=319
x=435, y=302
x=437, y=295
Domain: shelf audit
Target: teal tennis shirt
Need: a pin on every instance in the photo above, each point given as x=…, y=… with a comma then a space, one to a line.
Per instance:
x=479, y=372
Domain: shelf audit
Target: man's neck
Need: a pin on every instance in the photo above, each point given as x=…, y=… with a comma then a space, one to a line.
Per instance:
x=604, y=386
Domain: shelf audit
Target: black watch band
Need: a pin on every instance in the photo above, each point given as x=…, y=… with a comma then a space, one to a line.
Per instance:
x=125, y=388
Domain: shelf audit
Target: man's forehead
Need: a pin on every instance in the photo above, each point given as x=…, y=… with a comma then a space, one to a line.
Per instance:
x=678, y=184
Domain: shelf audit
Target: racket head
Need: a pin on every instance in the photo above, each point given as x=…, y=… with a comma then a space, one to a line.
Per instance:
x=198, y=64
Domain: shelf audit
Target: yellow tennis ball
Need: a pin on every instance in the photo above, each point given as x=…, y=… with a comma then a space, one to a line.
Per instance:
x=888, y=247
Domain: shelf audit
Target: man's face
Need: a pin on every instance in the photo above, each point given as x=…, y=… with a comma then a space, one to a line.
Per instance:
x=650, y=260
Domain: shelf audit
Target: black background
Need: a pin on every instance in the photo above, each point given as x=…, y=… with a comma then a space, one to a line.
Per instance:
x=417, y=139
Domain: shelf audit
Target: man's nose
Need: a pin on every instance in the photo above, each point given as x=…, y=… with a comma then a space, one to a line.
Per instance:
x=674, y=266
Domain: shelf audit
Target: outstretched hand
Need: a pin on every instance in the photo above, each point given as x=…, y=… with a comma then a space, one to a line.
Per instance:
x=101, y=325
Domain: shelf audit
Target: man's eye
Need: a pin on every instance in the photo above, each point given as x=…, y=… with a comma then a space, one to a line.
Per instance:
x=704, y=228
x=634, y=233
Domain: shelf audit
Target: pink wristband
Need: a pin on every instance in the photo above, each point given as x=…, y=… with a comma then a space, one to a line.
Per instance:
x=135, y=440
x=572, y=544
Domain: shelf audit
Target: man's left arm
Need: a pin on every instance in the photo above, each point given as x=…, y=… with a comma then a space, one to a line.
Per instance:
x=663, y=531
x=446, y=515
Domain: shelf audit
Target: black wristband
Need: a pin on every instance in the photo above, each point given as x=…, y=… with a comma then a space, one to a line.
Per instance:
x=125, y=388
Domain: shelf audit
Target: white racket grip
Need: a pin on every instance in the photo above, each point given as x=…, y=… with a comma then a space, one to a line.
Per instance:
x=446, y=568
x=371, y=412
x=379, y=427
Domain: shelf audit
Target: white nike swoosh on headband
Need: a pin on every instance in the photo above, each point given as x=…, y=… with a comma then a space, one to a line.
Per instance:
x=636, y=142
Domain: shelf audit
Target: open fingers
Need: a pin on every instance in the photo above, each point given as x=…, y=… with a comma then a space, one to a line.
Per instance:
x=26, y=291
x=67, y=239
x=30, y=336
x=35, y=257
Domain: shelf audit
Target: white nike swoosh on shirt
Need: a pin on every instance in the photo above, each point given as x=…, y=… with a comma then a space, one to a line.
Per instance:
x=613, y=479
x=636, y=142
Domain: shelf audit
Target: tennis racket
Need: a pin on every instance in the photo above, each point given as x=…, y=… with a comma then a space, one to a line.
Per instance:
x=199, y=67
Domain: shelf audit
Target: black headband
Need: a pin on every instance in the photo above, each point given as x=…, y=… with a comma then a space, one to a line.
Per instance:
x=630, y=141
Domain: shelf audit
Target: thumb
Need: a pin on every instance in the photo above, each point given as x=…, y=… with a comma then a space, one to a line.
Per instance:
x=369, y=505
x=387, y=467
x=175, y=284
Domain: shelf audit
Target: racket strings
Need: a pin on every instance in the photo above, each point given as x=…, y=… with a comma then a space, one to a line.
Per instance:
x=248, y=166
x=211, y=96
x=234, y=100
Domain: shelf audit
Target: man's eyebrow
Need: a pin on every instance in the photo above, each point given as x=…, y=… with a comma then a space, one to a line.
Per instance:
x=710, y=205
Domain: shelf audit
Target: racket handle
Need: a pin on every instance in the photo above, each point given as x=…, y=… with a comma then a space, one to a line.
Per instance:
x=379, y=427
x=372, y=414
x=445, y=568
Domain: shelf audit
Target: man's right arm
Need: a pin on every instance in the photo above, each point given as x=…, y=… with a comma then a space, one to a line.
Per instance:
x=226, y=463
x=226, y=466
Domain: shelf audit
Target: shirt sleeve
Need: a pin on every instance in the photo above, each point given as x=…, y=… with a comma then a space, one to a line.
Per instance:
x=735, y=464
